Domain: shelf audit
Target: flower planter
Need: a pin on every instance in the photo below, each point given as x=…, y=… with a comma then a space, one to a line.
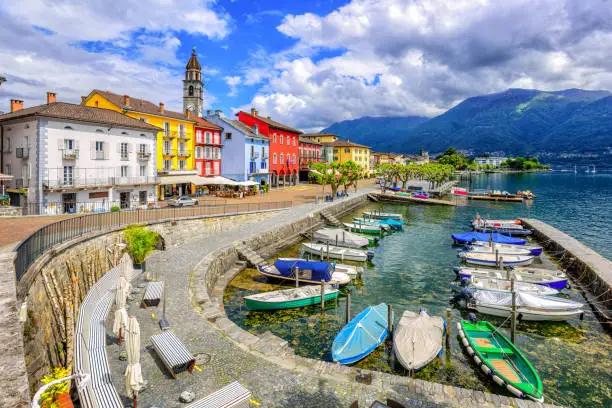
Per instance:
x=62, y=401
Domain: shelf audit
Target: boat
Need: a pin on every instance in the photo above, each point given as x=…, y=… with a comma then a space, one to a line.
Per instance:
x=382, y=215
x=289, y=298
x=504, y=285
x=509, y=224
x=336, y=252
x=389, y=221
x=534, y=250
x=510, y=231
x=417, y=339
x=351, y=270
x=529, y=307
x=501, y=359
x=489, y=259
x=420, y=194
x=361, y=335
x=553, y=279
x=478, y=218
x=307, y=271
x=467, y=237
x=518, y=250
x=364, y=229
x=340, y=237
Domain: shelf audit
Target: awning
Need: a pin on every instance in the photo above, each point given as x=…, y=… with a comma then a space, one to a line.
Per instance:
x=248, y=183
x=178, y=179
x=214, y=181
x=5, y=176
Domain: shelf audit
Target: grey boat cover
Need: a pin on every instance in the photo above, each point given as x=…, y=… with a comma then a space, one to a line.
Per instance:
x=418, y=339
x=345, y=238
x=485, y=297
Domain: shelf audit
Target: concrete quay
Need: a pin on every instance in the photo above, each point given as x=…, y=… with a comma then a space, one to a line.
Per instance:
x=591, y=271
x=401, y=199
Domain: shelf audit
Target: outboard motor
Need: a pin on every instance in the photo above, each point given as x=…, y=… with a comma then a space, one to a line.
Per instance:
x=370, y=254
x=472, y=317
x=464, y=283
x=462, y=298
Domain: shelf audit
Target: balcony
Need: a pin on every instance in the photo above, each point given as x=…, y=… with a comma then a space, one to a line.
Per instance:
x=125, y=156
x=183, y=136
x=70, y=154
x=169, y=135
x=184, y=153
x=99, y=155
x=72, y=182
x=22, y=152
x=143, y=156
x=169, y=152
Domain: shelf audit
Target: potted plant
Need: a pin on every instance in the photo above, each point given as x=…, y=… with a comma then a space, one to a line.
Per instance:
x=56, y=396
x=140, y=242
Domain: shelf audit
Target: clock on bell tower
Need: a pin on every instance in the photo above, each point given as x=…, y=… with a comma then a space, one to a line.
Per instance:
x=193, y=86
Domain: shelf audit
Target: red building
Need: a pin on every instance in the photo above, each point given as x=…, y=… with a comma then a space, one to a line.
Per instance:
x=207, y=146
x=309, y=151
x=283, y=146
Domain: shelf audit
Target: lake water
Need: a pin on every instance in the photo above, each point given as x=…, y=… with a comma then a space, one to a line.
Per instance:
x=412, y=269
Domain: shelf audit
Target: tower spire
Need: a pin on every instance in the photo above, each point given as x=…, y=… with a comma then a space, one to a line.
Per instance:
x=193, y=86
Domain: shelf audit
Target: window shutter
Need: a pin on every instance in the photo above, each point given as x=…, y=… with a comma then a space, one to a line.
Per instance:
x=93, y=149
x=75, y=144
x=119, y=147
x=130, y=147
x=60, y=144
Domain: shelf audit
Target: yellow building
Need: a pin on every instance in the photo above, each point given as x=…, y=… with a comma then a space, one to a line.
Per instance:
x=345, y=150
x=320, y=137
x=175, y=161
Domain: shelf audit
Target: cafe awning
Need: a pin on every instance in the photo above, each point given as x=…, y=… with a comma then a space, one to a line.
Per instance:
x=214, y=181
x=178, y=179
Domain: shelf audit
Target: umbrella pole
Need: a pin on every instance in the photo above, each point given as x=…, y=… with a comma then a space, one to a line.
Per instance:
x=119, y=341
x=134, y=400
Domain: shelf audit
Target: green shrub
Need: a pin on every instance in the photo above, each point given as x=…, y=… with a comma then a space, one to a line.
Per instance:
x=266, y=187
x=140, y=242
x=115, y=208
x=49, y=397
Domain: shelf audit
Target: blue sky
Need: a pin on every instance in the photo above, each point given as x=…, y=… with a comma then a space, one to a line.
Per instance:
x=305, y=63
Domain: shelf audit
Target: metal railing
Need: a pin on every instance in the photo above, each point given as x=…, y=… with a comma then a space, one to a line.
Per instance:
x=70, y=181
x=53, y=234
x=70, y=154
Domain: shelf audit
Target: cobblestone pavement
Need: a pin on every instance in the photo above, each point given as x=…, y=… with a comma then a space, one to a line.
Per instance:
x=220, y=361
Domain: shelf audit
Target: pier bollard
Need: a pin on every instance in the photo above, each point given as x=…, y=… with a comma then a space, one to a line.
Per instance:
x=497, y=257
x=348, y=308
x=513, y=318
x=501, y=263
x=390, y=320
x=322, y=295
x=297, y=277
x=448, y=329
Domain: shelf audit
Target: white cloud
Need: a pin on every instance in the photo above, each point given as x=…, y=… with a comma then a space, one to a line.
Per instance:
x=232, y=82
x=420, y=57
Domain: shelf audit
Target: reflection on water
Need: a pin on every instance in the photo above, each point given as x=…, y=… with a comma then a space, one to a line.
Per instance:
x=413, y=268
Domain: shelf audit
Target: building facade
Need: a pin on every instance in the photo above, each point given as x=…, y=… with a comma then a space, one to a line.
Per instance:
x=345, y=150
x=246, y=152
x=283, y=146
x=193, y=87
x=68, y=158
x=327, y=151
x=207, y=148
x=309, y=151
x=174, y=158
x=493, y=162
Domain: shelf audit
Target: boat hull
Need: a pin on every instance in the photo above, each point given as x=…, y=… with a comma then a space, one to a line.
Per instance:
x=363, y=229
x=336, y=252
x=468, y=237
x=511, y=232
x=253, y=304
x=528, y=314
x=558, y=284
x=483, y=262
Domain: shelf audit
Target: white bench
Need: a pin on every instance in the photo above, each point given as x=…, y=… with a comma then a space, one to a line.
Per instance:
x=172, y=352
x=233, y=395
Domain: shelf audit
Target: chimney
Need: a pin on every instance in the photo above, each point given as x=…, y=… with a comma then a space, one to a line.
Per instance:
x=161, y=107
x=83, y=99
x=208, y=112
x=16, y=105
x=126, y=100
x=218, y=113
x=253, y=112
x=188, y=113
x=269, y=117
x=51, y=97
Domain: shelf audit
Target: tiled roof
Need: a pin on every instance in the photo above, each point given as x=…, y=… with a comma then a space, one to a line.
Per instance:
x=141, y=105
x=275, y=124
x=63, y=110
x=318, y=134
x=193, y=61
x=344, y=143
x=243, y=128
x=207, y=124
x=309, y=141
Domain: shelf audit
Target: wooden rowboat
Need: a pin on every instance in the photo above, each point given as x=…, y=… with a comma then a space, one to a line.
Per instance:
x=289, y=298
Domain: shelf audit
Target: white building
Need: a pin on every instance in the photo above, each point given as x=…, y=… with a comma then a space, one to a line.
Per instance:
x=74, y=158
x=494, y=162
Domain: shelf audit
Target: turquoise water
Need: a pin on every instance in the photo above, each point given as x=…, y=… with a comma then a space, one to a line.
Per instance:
x=413, y=268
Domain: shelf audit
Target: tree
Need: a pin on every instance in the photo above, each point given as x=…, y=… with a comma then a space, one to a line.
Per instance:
x=384, y=171
x=351, y=172
x=327, y=174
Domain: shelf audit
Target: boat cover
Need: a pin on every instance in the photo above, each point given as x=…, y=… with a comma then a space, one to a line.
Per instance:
x=418, y=339
x=468, y=237
x=525, y=300
x=361, y=335
x=319, y=270
x=345, y=238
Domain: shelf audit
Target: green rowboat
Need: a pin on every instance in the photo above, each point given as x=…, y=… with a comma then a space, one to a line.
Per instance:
x=363, y=229
x=289, y=298
x=498, y=357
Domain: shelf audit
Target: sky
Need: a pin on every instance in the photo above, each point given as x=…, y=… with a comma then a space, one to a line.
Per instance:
x=304, y=63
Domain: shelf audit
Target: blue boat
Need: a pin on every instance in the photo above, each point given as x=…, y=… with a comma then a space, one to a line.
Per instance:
x=308, y=271
x=361, y=335
x=468, y=237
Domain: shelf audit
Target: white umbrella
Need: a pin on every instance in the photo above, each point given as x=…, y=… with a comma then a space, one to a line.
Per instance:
x=133, y=375
x=248, y=183
x=121, y=317
x=215, y=181
x=126, y=266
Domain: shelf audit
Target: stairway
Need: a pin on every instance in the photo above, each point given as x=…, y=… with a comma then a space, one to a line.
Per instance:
x=373, y=197
x=330, y=219
x=252, y=257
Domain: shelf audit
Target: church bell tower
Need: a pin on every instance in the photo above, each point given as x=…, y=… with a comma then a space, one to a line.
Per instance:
x=193, y=87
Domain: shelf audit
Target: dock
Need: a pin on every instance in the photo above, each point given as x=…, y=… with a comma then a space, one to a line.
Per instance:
x=589, y=271
x=496, y=198
x=405, y=199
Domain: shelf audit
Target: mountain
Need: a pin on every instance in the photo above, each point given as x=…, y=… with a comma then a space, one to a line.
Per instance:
x=516, y=121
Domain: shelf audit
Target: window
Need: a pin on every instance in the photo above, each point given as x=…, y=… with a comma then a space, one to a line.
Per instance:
x=198, y=136
x=217, y=140
x=190, y=90
x=207, y=137
x=335, y=150
x=293, y=160
x=207, y=169
x=347, y=150
x=207, y=153
x=216, y=167
x=167, y=147
x=217, y=152
x=68, y=175
x=99, y=131
x=263, y=153
x=182, y=165
x=274, y=138
x=182, y=132
x=282, y=139
x=182, y=149
x=143, y=171
x=124, y=171
x=143, y=120
x=166, y=129
x=198, y=152
x=199, y=167
x=256, y=129
x=252, y=152
x=228, y=136
x=7, y=168
x=274, y=158
x=167, y=165
x=123, y=149
x=294, y=139
x=99, y=146
x=68, y=144
x=68, y=127
x=282, y=158
x=142, y=148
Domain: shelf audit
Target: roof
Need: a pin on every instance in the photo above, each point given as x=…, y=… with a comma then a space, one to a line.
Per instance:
x=309, y=141
x=243, y=128
x=345, y=143
x=193, y=62
x=63, y=110
x=318, y=134
x=207, y=124
x=274, y=124
x=141, y=105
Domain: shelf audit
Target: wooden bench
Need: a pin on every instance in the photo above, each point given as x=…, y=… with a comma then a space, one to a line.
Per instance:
x=153, y=294
x=173, y=352
x=233, y=395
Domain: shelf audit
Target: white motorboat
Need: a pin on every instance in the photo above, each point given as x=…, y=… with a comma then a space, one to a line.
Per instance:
x=489, y=259
x=529, y=307
x=505, y=285
x=500, y=250
x=335, y=252
x=382, y=215
x=340, y=237
x=554, y=279
x=535, y=250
